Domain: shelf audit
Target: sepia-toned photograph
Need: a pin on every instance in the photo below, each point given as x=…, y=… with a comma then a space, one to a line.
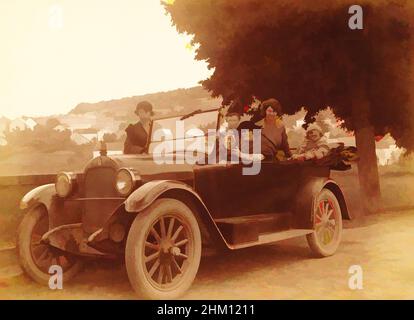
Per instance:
x=205, y=150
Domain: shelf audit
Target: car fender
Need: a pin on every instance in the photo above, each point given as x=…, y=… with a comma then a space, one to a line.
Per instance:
x=144, y=196
x=336, y=189
x=40, y=195
x=150, y=191
x=305, y=200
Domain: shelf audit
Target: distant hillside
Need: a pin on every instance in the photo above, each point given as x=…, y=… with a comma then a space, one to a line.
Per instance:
x=165, y=103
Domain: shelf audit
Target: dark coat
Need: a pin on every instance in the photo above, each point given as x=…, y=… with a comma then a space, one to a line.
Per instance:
x=136, y=139
x=273, y=140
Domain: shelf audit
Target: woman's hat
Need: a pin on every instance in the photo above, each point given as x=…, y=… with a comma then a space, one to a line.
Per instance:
x=314, y=126
x=261, y=114
x=274, y=104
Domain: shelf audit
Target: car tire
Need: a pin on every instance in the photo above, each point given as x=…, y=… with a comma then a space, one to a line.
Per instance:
x=163, y=250
x=327, y=219
x=35, y=258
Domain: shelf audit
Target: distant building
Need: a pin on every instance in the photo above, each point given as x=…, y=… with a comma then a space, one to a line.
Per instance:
x=30, y=123
x=387, y=151
x=17, y=124
x=347, y=141
x=3, y=140
x=91, y=136
x=76, y=122
x=386, y=148
x=60, y=128
x=22, y=124
x=4, y=124
x=83, y=138
x=113, y=148
x=89, y=130
x=390, y=155
x=107, y=124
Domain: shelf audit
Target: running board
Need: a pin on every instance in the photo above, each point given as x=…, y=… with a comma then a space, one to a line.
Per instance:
x=272, y=237
x=237, y=230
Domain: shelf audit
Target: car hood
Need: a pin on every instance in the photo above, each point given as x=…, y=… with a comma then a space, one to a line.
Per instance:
x=145, y=166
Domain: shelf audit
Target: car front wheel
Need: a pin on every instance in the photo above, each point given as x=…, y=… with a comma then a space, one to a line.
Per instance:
x=327, y=219
x=163, y=250
x=36, y=257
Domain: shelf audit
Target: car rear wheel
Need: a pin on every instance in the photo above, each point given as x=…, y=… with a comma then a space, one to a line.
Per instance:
x=36, y=257
x=163, y=250
x=327, y=218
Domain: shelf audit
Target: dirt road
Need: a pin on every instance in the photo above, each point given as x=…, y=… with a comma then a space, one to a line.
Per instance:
x=382, y=246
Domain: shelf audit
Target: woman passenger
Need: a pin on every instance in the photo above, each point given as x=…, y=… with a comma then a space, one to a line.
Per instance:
x=274, y=144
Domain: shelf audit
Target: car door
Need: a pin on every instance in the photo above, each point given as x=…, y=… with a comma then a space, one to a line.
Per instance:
x=229, y=193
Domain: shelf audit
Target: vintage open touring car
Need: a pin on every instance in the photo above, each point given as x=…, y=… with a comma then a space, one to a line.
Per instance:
x=159, y=218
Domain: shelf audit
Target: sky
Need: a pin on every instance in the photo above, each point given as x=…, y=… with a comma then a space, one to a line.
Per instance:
x=55, y=54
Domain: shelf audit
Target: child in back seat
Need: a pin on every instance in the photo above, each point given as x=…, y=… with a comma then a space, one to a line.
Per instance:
x=314, y=146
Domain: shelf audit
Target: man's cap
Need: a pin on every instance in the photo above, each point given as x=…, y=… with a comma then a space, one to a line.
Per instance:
x=145, y=105
x=235, y=114
x=247, y=125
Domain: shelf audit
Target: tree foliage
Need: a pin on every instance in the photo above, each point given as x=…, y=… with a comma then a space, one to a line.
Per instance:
x=109, y=137
x=52, y=123
x=304, y=54
x=41, y=139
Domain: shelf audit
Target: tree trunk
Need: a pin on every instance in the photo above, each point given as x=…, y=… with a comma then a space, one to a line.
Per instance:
x=368, y=170
x=365, y=143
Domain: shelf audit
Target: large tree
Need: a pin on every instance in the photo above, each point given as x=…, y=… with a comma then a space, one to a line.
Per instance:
x=304, y=54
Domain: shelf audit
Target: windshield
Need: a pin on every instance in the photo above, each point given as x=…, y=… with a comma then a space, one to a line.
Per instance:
x=197, y=125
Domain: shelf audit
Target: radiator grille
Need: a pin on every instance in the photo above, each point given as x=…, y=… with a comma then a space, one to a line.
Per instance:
x=99, y=183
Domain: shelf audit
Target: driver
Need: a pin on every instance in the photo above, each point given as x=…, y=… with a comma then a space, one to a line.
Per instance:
x=137, y=134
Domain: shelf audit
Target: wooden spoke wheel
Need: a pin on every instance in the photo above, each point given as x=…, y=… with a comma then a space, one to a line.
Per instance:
x=327, y=218
x=163, y=250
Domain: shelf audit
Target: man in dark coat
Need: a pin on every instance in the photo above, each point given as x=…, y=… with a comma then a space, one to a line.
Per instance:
x=137, y=134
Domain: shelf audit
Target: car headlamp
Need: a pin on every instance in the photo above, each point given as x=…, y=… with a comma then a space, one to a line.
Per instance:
x=64, y=184
x=125, y=181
